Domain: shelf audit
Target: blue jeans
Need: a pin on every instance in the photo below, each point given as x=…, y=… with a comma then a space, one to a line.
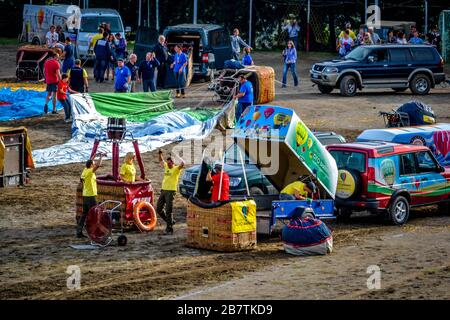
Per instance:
x=67, y=109
x=240, y=108
x=285, y=196
x=148, y=83
x=180, y=79
x=293, y=67
x=235, y=56
x=100, y=68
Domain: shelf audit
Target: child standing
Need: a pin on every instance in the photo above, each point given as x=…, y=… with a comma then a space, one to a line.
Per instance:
x=61, y=95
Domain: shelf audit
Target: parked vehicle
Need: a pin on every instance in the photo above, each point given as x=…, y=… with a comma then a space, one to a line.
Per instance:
x=90, y=21
x=399, y=67
x=258, y=184
x=388, y=178
x=210, y=44
x=37, y=20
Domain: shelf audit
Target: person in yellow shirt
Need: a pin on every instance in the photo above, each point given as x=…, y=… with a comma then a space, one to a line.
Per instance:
x=128, y=171
x=89, y=181
x=297, y=191
x=96, y=37
x=168, y=189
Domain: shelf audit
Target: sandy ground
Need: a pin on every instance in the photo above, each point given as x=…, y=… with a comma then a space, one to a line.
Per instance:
x=37, y=226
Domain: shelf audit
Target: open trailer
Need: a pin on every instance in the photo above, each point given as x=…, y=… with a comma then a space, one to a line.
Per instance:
x=283, y=148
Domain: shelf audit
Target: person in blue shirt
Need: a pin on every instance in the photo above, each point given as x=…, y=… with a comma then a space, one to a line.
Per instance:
x=415, y=39
x=290, y=62
x=247, y=59
x=179, y=69
x=147, y=70
x=293, y=30
x=121, y=46
x=236, y=43
x=102, y=56
x=122, y=77
x=245, y=95
x=68, y=56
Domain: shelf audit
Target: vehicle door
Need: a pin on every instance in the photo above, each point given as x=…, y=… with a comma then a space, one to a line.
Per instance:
x=400, y=64
x=375, y=68
x=407, y=177
x=220, y=46
x=146, y=39
x=430, y=183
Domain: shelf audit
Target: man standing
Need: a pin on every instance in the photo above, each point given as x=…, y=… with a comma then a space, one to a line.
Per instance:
x=78, y=78
x=221, y=184
x=89, y=181
x=168, y=189
x=375, y=37
x=52, y=76
x=292, y=29
x=96, y=37
x=122, y=77
x=236, y=41
x=131, y=65
x=121, y=46
x=245, y=96
x=68, y=56
x=162, y=54
x=102, y=57
x=52, y=39
x=146, y=72
x=415, y=39
x=179, y=67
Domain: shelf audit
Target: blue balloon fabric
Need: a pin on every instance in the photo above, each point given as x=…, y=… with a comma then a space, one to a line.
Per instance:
x=22, y=103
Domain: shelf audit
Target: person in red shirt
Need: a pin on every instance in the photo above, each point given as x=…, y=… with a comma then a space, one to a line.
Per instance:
x=224, y=187
x=61, y=95
x=52, y=76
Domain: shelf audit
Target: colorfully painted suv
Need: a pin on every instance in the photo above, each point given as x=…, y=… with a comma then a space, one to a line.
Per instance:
x=417, y=67
x=387, y=177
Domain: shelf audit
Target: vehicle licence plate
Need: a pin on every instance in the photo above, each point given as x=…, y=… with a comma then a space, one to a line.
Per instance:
x=315, y=76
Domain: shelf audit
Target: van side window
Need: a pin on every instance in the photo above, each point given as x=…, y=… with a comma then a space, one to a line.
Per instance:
x=426, y=162
x=422, y=54
x=380, y=55
x=407, y=164
x=399, y=54
x=219, y=38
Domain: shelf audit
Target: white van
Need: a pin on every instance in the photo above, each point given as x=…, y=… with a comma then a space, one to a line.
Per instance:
x=90, y=21
x=38, y=19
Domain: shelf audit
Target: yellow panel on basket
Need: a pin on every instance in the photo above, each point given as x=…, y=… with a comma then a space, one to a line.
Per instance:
x=243, y=216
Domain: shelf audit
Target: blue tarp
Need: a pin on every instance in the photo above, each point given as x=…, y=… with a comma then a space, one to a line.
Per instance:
x=22, y=104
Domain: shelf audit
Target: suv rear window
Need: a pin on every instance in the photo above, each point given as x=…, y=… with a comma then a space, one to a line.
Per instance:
x=399, y=54
x=219, y=38
x=349, y=160
x=422, y=54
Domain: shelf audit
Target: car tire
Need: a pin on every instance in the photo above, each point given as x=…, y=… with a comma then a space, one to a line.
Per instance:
x=256, y=191
x=398, y=211
x=399, y=89
x=444, y=208
x=357, y=178
x=420, y=84
x=348, y=86
x=325, y=89
x=344, y=214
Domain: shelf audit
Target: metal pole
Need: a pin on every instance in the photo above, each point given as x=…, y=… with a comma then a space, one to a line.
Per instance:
x=195, y=12
x=148, y=13
x=365, y=11
x=139, y=14
x=157, y=15
x=426, y=16
x=250, y=23
x=307, y=25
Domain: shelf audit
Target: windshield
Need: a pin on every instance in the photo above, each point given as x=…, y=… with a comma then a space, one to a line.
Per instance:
x=90, y=24
x=358, y=54
x=349, y=160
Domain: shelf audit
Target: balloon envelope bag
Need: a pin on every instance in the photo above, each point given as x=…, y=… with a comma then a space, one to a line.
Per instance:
x=223, y=226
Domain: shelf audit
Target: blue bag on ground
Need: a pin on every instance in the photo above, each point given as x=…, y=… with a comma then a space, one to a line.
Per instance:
x=304, y=237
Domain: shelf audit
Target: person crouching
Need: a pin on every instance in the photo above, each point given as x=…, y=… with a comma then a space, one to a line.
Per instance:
x=297, y=190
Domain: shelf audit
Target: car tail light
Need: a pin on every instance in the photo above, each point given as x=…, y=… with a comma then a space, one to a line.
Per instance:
x=441, y=63
x=371, y=175
x=205, y=58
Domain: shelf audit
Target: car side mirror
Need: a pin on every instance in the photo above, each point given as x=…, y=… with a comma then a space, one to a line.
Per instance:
x=371, y=59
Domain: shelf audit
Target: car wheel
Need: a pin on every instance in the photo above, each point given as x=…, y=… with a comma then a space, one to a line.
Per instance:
x=420, y=84
x=348, y=86
x=325, y=89
x=398, y=210
x=344, y=214
x=399, y=89
x=444, y=208
x=256, y=191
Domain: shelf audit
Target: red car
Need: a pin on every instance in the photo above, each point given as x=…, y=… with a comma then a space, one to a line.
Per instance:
x=389, y=178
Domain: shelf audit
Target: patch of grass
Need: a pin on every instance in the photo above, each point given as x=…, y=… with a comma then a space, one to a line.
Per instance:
x=8, y=41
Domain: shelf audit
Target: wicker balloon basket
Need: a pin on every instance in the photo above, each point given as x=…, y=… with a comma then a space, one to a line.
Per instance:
x=263, y=81
x=211, y=228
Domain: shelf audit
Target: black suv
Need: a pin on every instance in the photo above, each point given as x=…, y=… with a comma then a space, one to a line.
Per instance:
x=417, y=67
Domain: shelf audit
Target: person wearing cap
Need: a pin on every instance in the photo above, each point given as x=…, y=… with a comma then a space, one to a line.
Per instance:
x=127, y=170
x=221, y=183
x=89, y=181
x=122, y=77
x=245, y=95
x=78, y=78
x=121, y=46
x=169, y=185
x=297, y=190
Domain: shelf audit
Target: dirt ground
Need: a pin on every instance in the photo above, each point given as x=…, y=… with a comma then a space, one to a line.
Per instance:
x=37, y=225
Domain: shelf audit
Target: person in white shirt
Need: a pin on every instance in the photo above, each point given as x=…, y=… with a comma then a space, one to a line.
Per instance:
x=52, y=39
x=293, y=29
x=375, y=37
